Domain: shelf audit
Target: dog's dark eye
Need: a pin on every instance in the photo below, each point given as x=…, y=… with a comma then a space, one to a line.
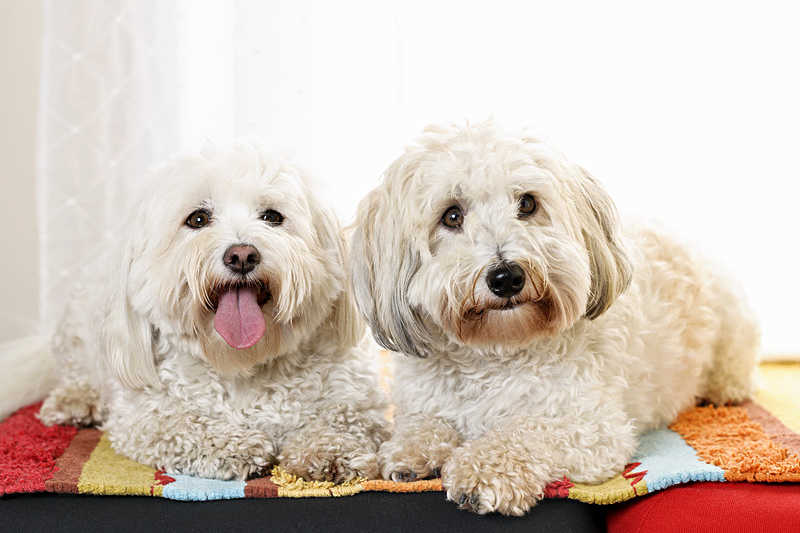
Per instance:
x=272, y=217
x=198, y=219
x=453, y=217
x=527, y=205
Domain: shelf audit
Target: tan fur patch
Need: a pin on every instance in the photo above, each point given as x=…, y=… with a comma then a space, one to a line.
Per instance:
x=529, y=314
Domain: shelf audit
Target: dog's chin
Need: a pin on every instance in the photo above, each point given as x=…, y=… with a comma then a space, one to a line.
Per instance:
x=508, y=323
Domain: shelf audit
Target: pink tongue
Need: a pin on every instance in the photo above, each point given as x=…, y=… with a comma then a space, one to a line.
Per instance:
x=239, y=319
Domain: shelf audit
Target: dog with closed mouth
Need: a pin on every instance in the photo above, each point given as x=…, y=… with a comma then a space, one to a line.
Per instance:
x=537, y=338
x=222, y=338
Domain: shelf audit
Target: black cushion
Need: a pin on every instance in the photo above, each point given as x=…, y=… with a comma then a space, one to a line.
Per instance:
x=372, y=511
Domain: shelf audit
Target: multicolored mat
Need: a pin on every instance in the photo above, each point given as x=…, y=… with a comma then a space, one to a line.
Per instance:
x=757, y=441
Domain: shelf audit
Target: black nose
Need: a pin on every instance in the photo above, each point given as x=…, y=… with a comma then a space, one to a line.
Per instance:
x=241, y=258
x=506, y=279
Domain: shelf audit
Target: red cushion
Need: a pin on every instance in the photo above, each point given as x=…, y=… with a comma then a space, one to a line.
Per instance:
x=711, y=507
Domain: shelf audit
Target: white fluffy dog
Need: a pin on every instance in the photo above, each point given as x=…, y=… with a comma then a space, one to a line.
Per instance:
x=543, y=337
x=224, y=338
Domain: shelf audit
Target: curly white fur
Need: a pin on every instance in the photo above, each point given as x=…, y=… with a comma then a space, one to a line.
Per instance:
x=140, y=356
x=614, y=333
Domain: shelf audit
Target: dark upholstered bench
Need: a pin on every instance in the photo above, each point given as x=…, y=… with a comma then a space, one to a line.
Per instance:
x=417, y=513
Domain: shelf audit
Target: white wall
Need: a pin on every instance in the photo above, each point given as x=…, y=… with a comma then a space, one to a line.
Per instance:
x=20, y=46
x=687, y=111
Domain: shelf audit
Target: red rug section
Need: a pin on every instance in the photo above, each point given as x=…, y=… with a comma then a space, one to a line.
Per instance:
x=711, y=508
x=28, y=451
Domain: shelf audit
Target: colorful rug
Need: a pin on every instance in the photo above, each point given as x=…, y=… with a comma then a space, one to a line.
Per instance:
x=758, y=441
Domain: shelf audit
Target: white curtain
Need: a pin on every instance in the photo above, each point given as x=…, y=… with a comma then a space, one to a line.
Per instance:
x=687, y=111
x=107, y=111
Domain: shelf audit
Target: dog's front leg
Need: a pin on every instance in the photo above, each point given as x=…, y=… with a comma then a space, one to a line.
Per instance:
x=338, y=444
x=507, y=469
x=180, y=440
x=418, y=448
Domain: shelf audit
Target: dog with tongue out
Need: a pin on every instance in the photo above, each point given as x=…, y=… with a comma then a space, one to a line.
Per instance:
x=220, y=337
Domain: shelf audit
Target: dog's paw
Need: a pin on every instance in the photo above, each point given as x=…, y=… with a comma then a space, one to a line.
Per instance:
x=329, y=457
x=410, y=459
x=418, y=453
x=76, y=405
x=480, y=482
x=224, y=456
x=237, y=467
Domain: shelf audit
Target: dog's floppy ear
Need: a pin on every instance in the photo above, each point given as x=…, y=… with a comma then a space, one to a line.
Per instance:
x=383, y=260
x=347, y=326
x=127, y=335
x=610, y=266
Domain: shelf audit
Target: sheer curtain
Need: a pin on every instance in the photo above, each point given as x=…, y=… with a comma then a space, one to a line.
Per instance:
x=109, y=90
x=688, y=112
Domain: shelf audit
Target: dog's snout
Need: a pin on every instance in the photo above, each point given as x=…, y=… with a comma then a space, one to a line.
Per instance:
x=506, y=279
x=241, y=258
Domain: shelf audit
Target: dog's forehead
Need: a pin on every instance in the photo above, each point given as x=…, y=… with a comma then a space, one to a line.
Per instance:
x=253, y=178
x=254, y=186
x=482, y=171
